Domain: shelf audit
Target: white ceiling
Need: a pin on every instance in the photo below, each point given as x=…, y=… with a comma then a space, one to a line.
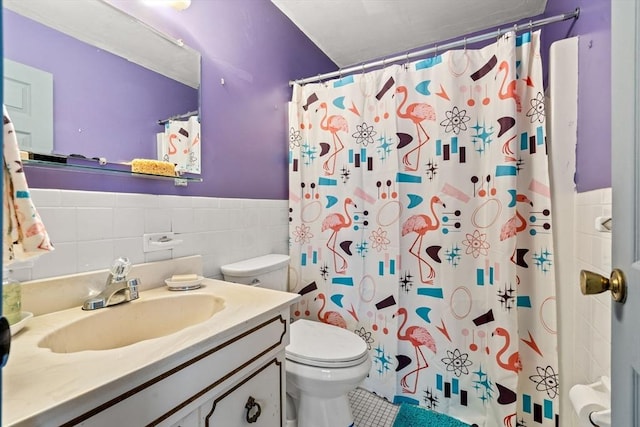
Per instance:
x=351, y=32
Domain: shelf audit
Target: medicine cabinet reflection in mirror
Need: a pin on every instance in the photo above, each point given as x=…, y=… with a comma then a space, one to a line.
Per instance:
x=114, y=78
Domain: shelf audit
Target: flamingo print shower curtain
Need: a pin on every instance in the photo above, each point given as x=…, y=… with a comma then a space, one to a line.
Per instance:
x=420, y=219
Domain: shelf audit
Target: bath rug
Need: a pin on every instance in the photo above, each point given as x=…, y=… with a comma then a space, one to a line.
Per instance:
x=416, y=416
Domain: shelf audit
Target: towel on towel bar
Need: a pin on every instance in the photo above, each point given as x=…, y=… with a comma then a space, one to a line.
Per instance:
x=24, y=235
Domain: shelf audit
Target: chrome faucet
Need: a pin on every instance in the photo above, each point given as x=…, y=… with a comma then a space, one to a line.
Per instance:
x=118, y=288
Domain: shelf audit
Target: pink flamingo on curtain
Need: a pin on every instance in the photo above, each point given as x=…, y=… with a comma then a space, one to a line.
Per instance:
x=417, y=113
x=337, y=222
x=516, y=224
x=513, y=362
x=421, y=224
x=333, y=124
x=510, y=91
x=330, y=317
x=508, y=420
x=418, y=337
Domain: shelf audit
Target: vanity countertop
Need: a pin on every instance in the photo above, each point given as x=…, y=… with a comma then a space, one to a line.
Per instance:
x=37, y=381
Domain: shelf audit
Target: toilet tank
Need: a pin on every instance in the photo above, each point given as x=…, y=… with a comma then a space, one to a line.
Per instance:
x=267, y=271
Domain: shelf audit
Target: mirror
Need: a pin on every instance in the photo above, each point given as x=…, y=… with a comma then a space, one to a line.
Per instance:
x=114, y=77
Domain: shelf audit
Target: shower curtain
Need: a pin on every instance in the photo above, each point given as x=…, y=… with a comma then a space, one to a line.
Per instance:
x=420, y=219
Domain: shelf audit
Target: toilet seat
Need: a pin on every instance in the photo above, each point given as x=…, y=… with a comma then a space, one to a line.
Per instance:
x=326, y=346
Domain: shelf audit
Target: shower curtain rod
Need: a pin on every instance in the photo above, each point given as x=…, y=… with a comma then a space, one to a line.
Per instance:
x=179, y=116
x=458, y=43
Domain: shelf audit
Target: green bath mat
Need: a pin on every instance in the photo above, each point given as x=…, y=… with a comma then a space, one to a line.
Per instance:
x=415, y=416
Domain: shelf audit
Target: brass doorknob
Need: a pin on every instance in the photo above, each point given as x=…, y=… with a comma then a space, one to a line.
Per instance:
x=593, y=283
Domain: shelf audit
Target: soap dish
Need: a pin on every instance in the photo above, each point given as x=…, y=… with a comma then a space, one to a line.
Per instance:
x=184, y=285
x=24, y=318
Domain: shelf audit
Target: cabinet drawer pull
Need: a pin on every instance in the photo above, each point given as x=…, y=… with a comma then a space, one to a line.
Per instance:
x=251, y=404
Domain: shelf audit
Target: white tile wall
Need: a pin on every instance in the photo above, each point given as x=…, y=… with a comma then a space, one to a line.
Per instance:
x=592, y=315
x=585, y=329
x=91, y=229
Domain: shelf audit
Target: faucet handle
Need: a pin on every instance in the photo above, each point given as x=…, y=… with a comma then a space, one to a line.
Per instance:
x=120, y=268
x=133, y=288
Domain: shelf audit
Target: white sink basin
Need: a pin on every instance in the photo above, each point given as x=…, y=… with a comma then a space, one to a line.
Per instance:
x=132, y=322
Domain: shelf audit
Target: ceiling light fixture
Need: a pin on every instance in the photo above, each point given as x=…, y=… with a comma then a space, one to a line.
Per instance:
x=176, y=4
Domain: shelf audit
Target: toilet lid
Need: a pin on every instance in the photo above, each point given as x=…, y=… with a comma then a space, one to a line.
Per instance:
x=322, y=345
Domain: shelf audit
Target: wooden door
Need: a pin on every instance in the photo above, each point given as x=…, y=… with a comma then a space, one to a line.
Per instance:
x=28, y=96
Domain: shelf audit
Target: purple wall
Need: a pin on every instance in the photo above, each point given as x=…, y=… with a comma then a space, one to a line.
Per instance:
x=257, y=50
x=115, y=103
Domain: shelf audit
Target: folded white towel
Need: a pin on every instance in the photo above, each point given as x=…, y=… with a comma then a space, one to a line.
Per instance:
x=24, y=235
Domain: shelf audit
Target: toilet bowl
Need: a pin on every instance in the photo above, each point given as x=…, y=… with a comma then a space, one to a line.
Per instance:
x=323, y=362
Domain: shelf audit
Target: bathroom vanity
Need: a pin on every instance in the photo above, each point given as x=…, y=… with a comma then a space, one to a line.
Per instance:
x=226, y=370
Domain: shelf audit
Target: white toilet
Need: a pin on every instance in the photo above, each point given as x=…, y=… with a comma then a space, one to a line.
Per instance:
x=324, y=362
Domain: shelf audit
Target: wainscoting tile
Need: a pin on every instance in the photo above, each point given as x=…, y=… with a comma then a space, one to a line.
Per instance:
x=128, y=222
x=61, y=261
x=157, y=220
x=89, y=229
x=130, y=247
x=87, y=198
x=133, y=200
x=182, y=220
x=95, y=255
x=60, y=223
x=94, y=223
x=46, y=198
x=592, y=335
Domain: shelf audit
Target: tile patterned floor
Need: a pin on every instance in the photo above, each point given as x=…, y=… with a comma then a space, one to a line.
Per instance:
x=370, y=410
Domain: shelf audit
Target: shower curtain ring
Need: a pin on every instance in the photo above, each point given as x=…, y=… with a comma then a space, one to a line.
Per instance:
x=406, y=64
x=465, y=45
x=498, y=37
x=363, y=68
x=530, y=25
x=435, y=54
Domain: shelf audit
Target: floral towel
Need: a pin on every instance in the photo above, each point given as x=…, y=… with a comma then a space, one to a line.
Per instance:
x=24, y=235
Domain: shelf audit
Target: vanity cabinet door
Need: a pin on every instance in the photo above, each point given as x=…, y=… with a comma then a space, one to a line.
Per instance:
x=255, y=401
x=254, y=356
x=191, y=420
